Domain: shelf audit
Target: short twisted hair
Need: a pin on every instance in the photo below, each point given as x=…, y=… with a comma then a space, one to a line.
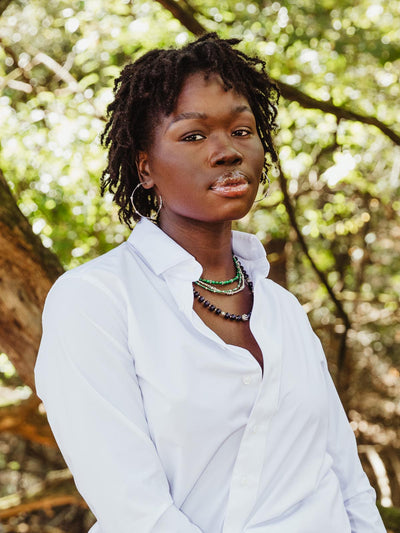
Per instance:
x=149, y=88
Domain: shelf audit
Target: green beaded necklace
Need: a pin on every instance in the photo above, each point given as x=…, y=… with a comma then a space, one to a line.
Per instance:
x=212, y=285
x=226, y=282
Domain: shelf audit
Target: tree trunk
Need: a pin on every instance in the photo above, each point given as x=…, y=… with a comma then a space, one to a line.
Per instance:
x=276, y=251
x=27, y=271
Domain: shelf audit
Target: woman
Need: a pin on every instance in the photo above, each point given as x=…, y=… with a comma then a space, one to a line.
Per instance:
x=187, y=391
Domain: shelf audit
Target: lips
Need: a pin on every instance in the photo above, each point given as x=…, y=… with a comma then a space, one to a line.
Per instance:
x=231, y=184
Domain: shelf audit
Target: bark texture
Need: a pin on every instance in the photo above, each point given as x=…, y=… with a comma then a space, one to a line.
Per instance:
x=27, y=271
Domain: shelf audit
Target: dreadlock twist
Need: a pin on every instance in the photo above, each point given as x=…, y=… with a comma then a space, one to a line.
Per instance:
x=150, y=87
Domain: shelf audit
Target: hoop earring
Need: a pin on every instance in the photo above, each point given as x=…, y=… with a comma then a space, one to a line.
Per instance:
x=160, y=202
x=266, y=178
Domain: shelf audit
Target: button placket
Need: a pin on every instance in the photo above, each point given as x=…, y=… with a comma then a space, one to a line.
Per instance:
x=250, y=459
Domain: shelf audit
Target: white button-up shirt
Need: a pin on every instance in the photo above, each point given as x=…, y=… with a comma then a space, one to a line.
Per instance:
x=168, y=429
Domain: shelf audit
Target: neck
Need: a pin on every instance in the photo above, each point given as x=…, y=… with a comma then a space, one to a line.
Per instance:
x=209, y=243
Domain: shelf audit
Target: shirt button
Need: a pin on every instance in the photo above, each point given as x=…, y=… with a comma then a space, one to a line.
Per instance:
x=246, y=380
x=254, y=429
x=244, y=481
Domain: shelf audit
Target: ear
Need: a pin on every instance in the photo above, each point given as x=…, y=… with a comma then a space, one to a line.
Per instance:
x=143, y=168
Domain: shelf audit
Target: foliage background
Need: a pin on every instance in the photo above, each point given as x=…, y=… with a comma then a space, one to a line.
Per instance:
x=330, y=223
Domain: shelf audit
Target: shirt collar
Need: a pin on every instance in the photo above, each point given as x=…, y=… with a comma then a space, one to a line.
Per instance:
x=162, y=254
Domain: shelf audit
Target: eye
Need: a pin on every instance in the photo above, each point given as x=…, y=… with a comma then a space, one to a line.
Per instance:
x=242, y=132
x=193, y=137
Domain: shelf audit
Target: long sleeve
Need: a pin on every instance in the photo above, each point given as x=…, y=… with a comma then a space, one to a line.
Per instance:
x=358, y=495
x=86, y=377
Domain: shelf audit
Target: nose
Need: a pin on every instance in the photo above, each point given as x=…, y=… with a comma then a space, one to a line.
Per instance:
x=225, y=153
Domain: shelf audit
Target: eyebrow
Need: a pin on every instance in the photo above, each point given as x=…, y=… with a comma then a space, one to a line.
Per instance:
x=194, y=114
x=188, y=116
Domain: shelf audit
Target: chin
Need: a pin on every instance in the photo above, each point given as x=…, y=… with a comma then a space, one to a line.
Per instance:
x=236, y=212
x=231, y=215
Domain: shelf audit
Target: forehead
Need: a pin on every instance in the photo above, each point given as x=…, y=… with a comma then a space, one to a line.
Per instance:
x=205, y=90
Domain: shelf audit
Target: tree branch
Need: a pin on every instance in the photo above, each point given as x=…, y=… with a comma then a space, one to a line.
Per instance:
x=185, y=17
x=3, y=5
x=43, y=504
x=11, y=78
x=58, y=69
x=57, y=489
x=289, y=92
x=25, y=420
x=338, y=304
x=38, y=57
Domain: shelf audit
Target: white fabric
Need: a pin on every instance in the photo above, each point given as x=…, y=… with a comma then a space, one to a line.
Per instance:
x=167, y=429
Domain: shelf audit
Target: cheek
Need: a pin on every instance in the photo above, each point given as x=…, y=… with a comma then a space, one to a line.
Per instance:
x=173, y=179
x=259, y=155
x=163, y=168
x=258, y=145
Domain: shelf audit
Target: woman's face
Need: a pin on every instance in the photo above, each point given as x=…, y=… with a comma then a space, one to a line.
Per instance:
x=206, y=158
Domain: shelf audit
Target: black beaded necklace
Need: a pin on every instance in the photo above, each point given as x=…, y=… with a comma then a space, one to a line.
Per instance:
x=223, y=314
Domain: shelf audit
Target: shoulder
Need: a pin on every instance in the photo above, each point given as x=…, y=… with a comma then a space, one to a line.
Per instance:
x=285, y=297
x=99, y=280
x=290, y=309
x=295, y=319
x=108, y=264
